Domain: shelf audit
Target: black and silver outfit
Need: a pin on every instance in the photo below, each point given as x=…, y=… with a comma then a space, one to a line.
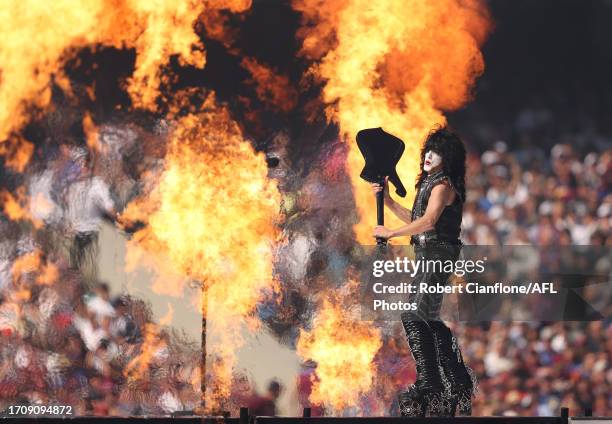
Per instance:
x=444, y=384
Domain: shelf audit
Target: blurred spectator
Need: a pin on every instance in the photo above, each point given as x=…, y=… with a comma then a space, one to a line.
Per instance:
x=87, y=201
x=510, y=204
x=66, y=350
x=265, y=405
x=305, y=381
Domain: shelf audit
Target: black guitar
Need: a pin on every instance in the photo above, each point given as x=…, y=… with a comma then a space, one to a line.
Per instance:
x=381, y=151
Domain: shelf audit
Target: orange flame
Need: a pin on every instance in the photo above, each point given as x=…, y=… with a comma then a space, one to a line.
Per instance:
x=33, y=263
x=270, y=86
x=37, y=38
x=153, y=344
x=395, y=64
x=14, y=206
x=392, y=64
x=167, y=30
x=91, y=133
x=210, y=217
x=138, y=366
x=210, y=213
x=16, y=150
x=344, y=348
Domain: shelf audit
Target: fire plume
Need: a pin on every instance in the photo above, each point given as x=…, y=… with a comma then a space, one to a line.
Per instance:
x=392, y=64
x=38, y=37
x=344, y=348
x=210, y=217
x=209, y=209
x=167, y=30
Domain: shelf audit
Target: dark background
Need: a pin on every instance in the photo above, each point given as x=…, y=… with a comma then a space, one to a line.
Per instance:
x=551, y=54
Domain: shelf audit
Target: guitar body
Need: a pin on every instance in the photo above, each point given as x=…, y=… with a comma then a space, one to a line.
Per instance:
x=381, y=151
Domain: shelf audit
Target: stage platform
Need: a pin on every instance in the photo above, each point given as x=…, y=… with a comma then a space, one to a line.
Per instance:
x=245, y=418
x=293, y=420
x=314, y=420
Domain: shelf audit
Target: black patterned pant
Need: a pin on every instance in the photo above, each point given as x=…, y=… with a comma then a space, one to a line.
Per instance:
x=434, y=259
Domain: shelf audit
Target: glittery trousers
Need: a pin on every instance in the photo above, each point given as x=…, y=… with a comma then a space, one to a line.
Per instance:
x=444, y=384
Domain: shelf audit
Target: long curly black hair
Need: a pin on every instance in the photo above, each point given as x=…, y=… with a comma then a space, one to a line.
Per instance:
x=448, y=145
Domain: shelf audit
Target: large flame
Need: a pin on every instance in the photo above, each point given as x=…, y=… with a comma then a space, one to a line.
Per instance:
x=344, y=348
x=210, y=217
x=37, y=37
x=395, y=64
x=209, y=213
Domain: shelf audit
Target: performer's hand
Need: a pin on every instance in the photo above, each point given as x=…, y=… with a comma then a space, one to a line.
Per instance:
x=382, y=232
x=376, y=188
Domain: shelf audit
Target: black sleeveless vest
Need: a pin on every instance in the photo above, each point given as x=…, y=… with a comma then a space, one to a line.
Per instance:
x=448, y=227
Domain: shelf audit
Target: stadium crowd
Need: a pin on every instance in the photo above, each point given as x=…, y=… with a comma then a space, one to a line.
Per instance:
x=98, y=355
x=525, y=197
x=551, y=195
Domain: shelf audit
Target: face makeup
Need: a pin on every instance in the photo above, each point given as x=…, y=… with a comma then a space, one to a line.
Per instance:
x=432, y=161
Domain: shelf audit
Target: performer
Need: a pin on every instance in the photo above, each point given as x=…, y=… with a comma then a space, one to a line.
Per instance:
x=444, y=383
